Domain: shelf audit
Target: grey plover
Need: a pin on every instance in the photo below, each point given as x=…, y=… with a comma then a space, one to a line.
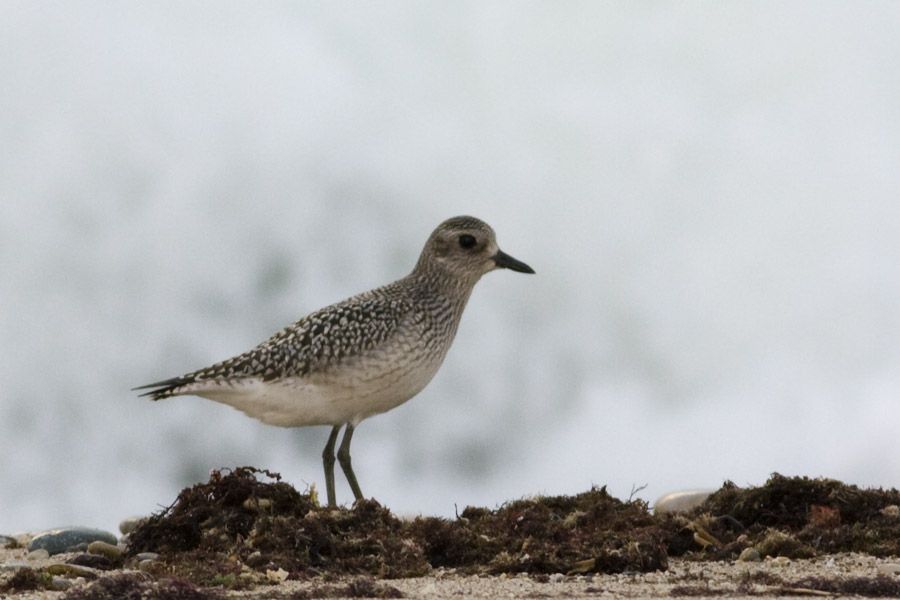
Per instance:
x=360, y=357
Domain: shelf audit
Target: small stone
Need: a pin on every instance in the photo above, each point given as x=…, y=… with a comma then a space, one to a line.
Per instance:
x=891, y=510
x=557, y=578
x=110, y=551
x=679, y=502
x=13, y=565
x=71, y=570
x=146, y=556
x=780, y=561
x=276, y=576
x=60, y=584
x=146, y=565
x=39, y=554
x=889, y=569
x=749, y=555
x=130, y=524
x=60, y=540
x=22, y=539
x=94, y=561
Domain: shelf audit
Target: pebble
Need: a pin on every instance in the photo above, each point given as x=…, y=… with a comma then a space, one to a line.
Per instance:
x=678, y=502
x=749, y=555
x=146, y=565
x=39, y=554
x=13, y=565
x=130, y=524
x=55, y=541
x=891, y=510
x=780, y=561
x=141, y=556
x=557, y=577
x=72, y=570
x=94, y=561
x=276, y=576
x=110, y=551
x=60, y=584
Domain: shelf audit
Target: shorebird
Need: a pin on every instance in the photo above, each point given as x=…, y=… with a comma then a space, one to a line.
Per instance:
x=360, y=357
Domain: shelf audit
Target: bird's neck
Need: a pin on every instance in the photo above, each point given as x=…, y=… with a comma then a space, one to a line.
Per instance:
x=438, y=283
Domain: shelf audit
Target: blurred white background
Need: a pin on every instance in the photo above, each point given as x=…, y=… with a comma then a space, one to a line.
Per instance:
x=709, y=193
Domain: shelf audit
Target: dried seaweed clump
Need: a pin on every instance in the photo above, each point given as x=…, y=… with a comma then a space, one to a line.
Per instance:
x=249, y=518
x=791, y=516
x=590, y=532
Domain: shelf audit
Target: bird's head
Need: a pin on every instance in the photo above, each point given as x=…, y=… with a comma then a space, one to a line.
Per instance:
x=466, y=248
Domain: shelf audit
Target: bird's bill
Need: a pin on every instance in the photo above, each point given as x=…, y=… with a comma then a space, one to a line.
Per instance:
x=505, y=261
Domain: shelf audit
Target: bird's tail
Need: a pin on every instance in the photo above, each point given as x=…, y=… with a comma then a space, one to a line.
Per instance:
x=164, y=389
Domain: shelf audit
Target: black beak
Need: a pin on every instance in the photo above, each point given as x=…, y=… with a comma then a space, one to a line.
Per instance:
x=505, y=261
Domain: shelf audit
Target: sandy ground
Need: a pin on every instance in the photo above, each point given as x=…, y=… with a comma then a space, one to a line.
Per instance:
x=719, y=578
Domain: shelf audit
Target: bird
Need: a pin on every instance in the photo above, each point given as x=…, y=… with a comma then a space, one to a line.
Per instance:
x=359, y=357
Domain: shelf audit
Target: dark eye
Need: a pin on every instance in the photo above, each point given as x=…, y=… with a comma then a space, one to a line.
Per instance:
x=467, y=241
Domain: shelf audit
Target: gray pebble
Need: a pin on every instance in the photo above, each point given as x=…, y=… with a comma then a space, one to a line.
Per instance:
x=71, y=570
x=55, y=541
x=94, y=561
x=13, y=565
x=146, y=565
x=60, y=584
x=110, y=551
x=39, y=554
x=146, y=556
x=749, y=555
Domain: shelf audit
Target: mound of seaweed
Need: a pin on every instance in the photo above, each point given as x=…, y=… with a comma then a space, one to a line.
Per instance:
x=791, y=516
x=248, y=520
x=589, y=532
x=249, y=517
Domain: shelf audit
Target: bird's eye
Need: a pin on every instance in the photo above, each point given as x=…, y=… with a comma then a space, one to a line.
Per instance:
x=467, y=241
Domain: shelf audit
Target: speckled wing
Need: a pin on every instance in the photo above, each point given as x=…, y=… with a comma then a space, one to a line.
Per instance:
x=326, y=338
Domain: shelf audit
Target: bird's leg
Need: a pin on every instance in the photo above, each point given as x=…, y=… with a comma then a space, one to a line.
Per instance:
x=343, y=456
x=328, y=461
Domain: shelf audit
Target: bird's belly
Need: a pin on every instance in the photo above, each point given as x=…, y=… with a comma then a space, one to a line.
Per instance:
x=343, y=395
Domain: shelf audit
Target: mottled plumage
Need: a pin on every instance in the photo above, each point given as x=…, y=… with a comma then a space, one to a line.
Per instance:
x=359, y=357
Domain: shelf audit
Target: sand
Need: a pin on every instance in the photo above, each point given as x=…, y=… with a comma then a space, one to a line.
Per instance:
x=696, y=579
